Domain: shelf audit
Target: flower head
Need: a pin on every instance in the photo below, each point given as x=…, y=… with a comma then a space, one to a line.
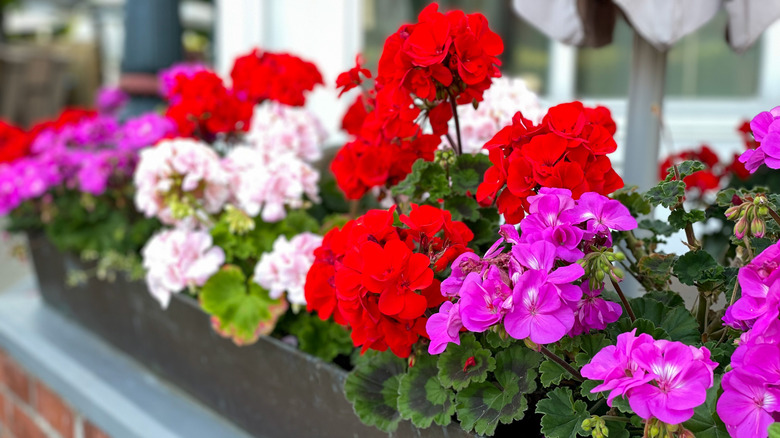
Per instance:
x=179, y=258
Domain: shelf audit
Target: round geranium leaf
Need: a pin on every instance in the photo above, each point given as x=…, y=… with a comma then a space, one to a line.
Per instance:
x=372, y=388
x=462, y=364
x=422, y=398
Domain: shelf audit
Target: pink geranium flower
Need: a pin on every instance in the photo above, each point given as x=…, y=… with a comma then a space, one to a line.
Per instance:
x=538, y=312
x=746, y=406
x=484, y=302
x=443, y=327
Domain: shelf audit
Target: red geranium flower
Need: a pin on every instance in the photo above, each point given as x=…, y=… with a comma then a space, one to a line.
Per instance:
x=280, y=77
x=567, y=150
x=378, y=278
x=14, y=143
x=201, y=106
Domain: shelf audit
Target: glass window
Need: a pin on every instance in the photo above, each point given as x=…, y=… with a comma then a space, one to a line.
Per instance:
x=526, y=50
x=700, y=65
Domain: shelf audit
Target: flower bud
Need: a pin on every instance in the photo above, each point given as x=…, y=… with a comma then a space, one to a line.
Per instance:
x=733, y=212
x=757, y=226
x=740, y=228
x=238, y=221
x=532, y=345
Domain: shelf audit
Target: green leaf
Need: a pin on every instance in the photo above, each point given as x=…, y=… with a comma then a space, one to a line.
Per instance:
x=618, y=429
x=679, y=218
x=589, y=346
x=587, y=386
x=686, y=168
x=774, y=430
x=657, y=268
x=481, y=406
x=705, y=422
x=666, y=297
x=494, y=340
x=666, y=193
x=677, y=322
x=724, y=197
x=484, y=228
x=373, y=388
x=453, y=370
x=696, y=267
x=467, y=173
x=426, y=176
x=658, y=227
x=422, y=398
x=243, y=311
x=633, y=200
x=552, y=373
x=462, y=207
x=563, y=416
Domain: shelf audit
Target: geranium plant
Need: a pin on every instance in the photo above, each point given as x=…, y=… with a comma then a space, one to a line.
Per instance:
x=460, y=318
x=233, y=193
x=70, y=177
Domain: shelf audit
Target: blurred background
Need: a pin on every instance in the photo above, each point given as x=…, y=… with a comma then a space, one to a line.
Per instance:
x=58, y=52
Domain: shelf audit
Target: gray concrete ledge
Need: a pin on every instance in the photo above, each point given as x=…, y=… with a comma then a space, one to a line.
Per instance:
x=109, y=388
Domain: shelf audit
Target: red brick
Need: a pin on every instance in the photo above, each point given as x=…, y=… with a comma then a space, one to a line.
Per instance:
x=54, y=410
x=3, y=409
x=16, y=380
x=92, y=431
x=23, y=426
x=3, y=358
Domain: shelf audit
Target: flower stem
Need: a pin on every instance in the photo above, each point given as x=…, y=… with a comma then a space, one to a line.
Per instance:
x=623, y=299
x=565, y=365
x=774, y=215
x=615, y=418
x=454, y=104
x=702, y=311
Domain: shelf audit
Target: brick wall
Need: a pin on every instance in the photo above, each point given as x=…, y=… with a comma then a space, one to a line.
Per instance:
x=29, y=409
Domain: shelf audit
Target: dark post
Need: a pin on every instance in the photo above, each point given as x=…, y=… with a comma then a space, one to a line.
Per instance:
x=152, y=42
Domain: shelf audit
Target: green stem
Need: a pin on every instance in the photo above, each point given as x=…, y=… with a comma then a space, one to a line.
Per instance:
x=454, y=104
x=701, y=312
x=565, y=365
x=615, y=418
x=623, y=299
x=774, y=215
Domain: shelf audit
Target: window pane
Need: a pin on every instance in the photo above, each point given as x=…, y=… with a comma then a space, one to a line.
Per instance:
x=700, y=65
x=526, y=50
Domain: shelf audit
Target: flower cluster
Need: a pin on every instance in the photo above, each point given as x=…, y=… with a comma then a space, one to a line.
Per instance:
x=280, y=77
x=179, y=258
x=280, y=129
x=284, y=269
x=659, y=378
x=425, y=71
x=709, y=179
x=501, y=101
x=531, y=287
x=80, y=149
x=168, y=77
x=264, y=182
x=203, y=107
x=441, y=54
x=110, y=100
x=751, y=389
x=363, y=162
x=378, y=278
x=180, y=178
x=767, y=134
x=14, y=142
x=567, y=150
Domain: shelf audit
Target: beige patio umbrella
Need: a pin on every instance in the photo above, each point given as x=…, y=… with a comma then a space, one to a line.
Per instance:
x=658, y=25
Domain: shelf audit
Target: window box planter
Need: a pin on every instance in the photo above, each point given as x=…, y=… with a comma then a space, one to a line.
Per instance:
x=270, y=389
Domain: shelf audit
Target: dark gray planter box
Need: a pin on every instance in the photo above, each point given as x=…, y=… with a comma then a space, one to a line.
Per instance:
x=270, y=389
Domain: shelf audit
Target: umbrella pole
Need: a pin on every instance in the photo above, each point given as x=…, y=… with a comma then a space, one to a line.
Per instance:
x=643, y=133
x=645, y=103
